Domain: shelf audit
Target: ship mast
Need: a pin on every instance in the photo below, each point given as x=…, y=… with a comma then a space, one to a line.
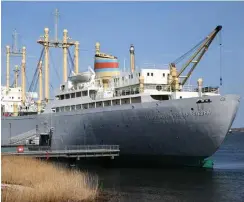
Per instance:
x=15, y=52
x=56, y=43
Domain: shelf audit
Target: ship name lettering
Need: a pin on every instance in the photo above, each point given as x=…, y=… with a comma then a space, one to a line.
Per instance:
x=201, y=113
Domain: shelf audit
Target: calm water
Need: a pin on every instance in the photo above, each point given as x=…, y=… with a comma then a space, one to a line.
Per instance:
x=224, y=183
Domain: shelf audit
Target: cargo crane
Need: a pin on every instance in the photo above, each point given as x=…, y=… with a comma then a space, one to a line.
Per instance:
x=201, y=48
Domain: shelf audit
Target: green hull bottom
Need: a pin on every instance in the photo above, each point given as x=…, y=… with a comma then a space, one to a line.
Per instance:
x=131, y=161
x=162, y=161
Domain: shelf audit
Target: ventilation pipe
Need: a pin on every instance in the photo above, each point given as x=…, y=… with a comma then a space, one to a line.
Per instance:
x=199, y=83
x=132, y=59
x=97, y=46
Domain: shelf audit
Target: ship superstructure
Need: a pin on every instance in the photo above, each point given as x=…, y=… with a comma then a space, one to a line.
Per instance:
x=106, y=85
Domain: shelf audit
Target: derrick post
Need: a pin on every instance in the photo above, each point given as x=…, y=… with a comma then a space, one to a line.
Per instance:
x=8, y=67
x=16, y=76
x=65, y=55
x=40, y=87
x=23, y=73
x=76, y=57
x=46, y=46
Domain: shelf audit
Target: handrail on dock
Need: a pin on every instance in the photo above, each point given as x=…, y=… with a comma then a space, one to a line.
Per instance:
x=90, y=147
x=72, y=151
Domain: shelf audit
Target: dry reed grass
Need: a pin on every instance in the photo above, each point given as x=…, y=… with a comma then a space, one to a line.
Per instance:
x=45, y=182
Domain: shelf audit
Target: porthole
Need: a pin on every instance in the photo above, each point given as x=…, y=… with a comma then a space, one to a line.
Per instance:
x=158, y=88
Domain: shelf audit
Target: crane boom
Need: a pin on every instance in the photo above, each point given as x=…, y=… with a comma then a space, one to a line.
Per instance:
x=198, y=55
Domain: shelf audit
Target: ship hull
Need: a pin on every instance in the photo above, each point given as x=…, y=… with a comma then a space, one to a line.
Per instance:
x=176, y=128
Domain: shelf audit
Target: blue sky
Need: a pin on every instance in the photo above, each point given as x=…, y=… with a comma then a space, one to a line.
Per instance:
x=160, y=32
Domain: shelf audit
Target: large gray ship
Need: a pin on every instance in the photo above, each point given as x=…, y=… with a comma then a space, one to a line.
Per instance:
x=148, y=112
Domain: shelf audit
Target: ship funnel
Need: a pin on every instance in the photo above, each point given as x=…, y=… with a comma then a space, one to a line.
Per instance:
x=132, y=58
x=199, y=83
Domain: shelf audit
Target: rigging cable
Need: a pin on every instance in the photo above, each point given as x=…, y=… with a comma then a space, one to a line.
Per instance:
x=36, y=74
x=55, y=69
x=36, y=79
x=72, y=61
x=220, y=59
x=187, y=53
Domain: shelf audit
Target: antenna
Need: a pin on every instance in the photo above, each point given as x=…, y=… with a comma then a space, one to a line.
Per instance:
x=56, y=15
x=15, y=42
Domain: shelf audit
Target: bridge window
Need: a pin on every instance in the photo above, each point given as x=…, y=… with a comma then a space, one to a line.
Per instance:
x=147, y=74
x=78, y=94
x=85, y=106
x=151, y=74
x=73, y=108
x=125, y=101
x=84, y=93
x=163, y=74
x=67, y=96
x=107, y=103
x=67, y=108
x=92, y=105
x=98, y=104
x=116, y=102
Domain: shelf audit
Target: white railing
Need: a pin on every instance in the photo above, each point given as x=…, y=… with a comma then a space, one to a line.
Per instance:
x=189, y=88
x=158, y=87
x=192, y=88
x=92, y=147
